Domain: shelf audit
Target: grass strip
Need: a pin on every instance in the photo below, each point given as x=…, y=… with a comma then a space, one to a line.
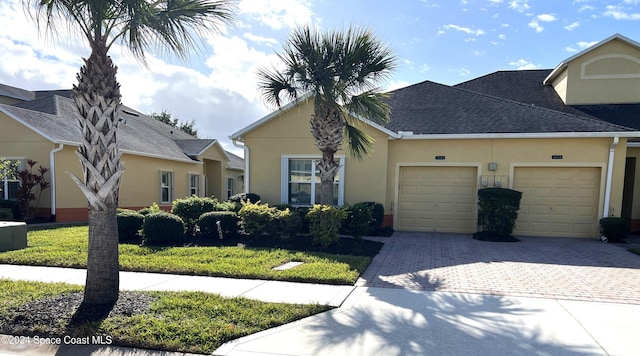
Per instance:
x=67, y=247
x=174, y=321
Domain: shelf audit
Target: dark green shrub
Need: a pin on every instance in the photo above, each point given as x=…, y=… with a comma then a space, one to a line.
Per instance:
x=129, y=224
x=289, y=223
x=324, y=223
x=251, y=197
x=615, y=229
x=255, y=218
x=302, y=212
x=377, y=214
x=190, y=209
x=227, y=206
x=13, y=205
x=498, y=210
x=359, y=220
x=385, y=231
x=6, y=214
x=162, y=228
x=228, y=223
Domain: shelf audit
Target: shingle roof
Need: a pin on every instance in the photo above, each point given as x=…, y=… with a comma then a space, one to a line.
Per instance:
x=55, y=117
x=13, y=92
x=193, y=147
x=526, y=86
x=235, y=162
x=432, y=108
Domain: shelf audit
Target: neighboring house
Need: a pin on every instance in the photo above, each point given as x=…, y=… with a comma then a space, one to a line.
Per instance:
x=567, y=138
x=161, y=162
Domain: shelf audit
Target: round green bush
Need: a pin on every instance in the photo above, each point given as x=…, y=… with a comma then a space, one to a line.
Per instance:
x=228, y=222
x=162, y=228
x=129, y=224
x=190, y=209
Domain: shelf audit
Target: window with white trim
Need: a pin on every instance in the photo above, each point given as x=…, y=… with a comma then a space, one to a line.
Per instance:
x=166, y=187
x=11, y=183
x=301, y=181
x=230, y=184
x=194, y=184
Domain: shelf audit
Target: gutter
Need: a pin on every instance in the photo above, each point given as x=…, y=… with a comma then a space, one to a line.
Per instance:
x=246, y=162
x=607, y=189
x=52, y=173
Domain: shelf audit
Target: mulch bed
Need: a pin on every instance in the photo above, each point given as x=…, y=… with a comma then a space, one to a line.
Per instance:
x=59, y=313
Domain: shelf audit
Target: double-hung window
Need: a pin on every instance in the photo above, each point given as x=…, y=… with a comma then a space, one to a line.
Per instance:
x=166, y=187
x=10, y=185
x=194, y=184
x=301, y=181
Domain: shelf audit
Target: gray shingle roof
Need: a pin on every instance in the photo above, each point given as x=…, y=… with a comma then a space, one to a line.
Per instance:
x=193, y=147
x=56, y=117
x=432, y=108
x=235, y=162
x=526, y=86
x=13, y=92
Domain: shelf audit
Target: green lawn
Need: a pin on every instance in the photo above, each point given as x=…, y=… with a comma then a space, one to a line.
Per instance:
x=174, y=321
x=67, y=247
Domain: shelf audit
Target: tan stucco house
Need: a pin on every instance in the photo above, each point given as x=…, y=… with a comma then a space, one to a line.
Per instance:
x=161, y=163
x=566, y=137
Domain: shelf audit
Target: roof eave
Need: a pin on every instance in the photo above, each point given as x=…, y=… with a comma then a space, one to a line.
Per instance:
x=629, y=134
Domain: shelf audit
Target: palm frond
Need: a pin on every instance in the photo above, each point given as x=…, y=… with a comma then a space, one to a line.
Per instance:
x=372, y=105
x=359, y=145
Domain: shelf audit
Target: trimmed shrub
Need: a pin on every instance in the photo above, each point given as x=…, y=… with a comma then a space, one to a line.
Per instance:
x=129, y=224
x=498, y=210
x=13, y=205
x=302, y=212
x=6, y=214
x=615, y=229
x=190, y=209
x=289, y=223
x=162, y=228
x=154, y=208
x=385, y=231
x=377, y=214
x=255, y=218
x=359, y=220
x=228, y=223
x=239, y=198
x=324, y=223
x=227, y=206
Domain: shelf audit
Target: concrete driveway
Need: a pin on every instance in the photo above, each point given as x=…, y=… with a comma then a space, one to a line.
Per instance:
x=542, y=267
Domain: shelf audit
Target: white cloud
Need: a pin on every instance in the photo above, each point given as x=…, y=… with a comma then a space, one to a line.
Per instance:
x=570, y=49
x=618, y=13
x=463, y=29
x=278, y=13
x=519, y=5
x=502, y=36
x=586, y=8
x=522, y=64
x=259, y=39
x=583, y=44
x=572, y=26
x=463, y=72
x=425, y=68
x=546, y=18
x=536, y=26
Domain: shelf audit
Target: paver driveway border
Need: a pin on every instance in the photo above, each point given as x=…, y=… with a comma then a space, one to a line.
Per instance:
x=542, y=267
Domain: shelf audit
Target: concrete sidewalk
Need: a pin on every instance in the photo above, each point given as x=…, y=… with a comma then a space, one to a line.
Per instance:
x=266, y=291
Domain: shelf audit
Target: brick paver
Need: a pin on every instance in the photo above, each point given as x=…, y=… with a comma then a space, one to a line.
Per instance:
x=559, y=268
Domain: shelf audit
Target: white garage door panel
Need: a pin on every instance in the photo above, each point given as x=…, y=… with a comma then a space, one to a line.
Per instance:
x=437, y=199
x=558, y=201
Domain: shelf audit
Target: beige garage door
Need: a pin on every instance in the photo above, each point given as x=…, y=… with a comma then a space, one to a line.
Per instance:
x=437, y=199
x=558, y=201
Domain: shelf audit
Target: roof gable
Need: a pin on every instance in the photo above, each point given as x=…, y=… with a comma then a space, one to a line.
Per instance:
x=560, y=67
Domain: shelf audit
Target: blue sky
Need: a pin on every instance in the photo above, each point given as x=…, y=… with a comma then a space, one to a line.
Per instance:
x=443, y=41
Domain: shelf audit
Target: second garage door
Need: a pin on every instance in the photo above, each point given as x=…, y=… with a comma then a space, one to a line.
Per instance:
x=558, y=201
x=437, y=199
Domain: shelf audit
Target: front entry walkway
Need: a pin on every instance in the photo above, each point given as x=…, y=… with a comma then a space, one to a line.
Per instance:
x=541, y=267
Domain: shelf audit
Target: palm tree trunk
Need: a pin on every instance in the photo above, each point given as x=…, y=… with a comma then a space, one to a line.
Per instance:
x=97, y=97
x=327, y=128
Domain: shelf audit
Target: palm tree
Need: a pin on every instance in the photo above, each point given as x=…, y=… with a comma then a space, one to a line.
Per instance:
x=138, y=25
x=341, y=72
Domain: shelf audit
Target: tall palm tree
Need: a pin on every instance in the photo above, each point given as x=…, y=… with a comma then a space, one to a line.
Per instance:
x=342, y=71
x=138, y=25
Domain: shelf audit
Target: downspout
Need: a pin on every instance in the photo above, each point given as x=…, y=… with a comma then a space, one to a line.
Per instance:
x=246, y=164
x=607, y=189
x=52, y=173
